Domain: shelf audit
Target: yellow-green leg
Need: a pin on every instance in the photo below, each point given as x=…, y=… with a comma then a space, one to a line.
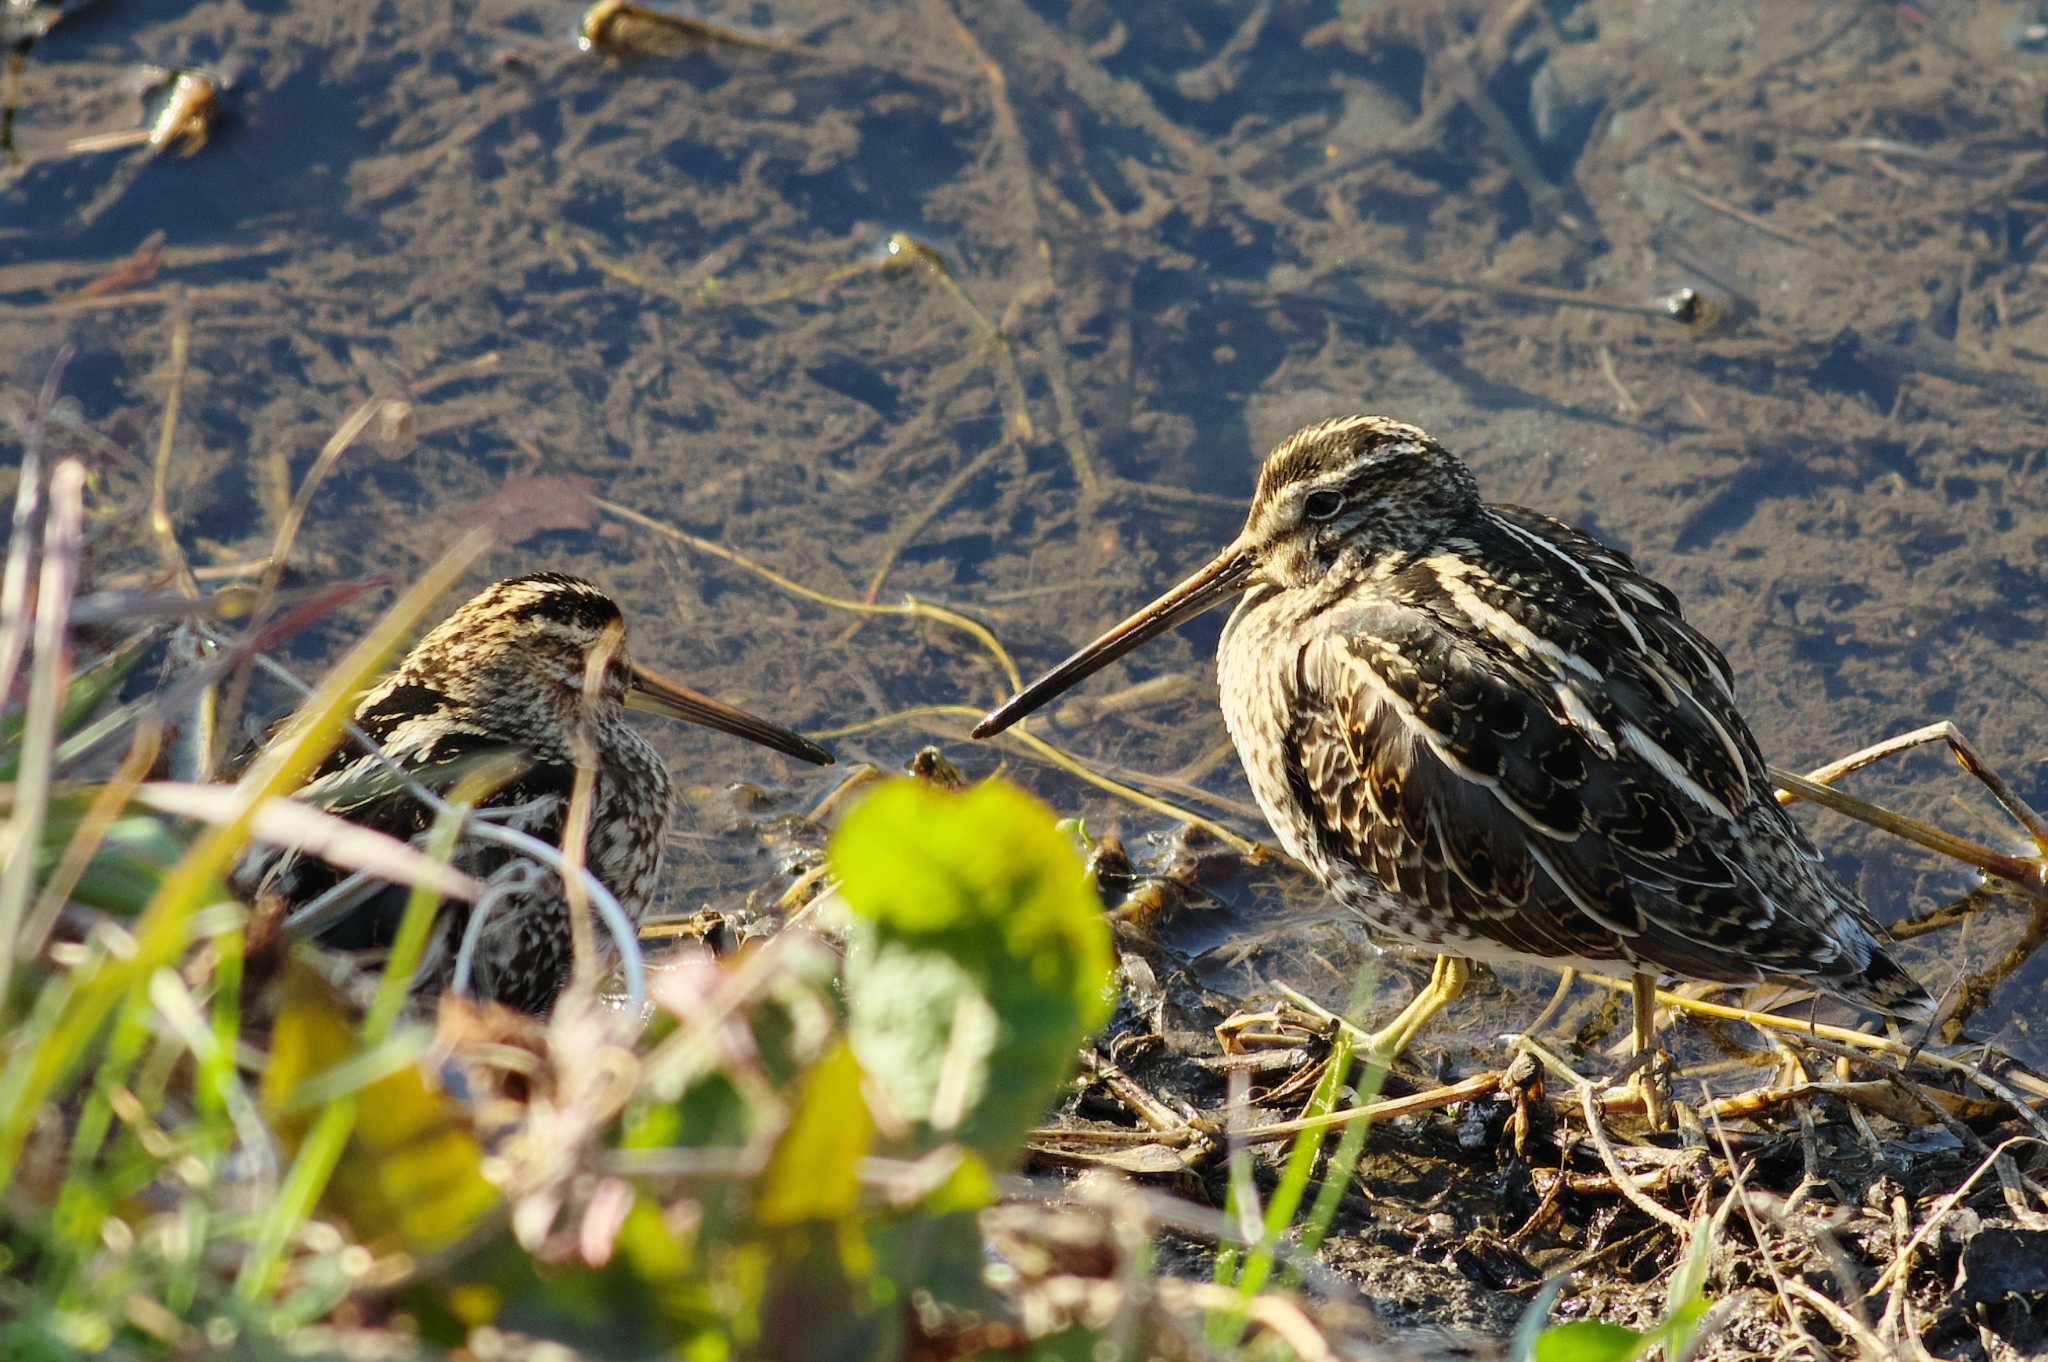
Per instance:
x=1446, y=981
x=1647, y=1080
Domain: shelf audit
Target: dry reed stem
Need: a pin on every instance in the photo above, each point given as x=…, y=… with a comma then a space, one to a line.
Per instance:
x=1970, y=760
x=2029, y=875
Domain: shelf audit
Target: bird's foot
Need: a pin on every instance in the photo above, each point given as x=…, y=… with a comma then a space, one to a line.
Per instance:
x=1652, y=1082
x=1446, y=981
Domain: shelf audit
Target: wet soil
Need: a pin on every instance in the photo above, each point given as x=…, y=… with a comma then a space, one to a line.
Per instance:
x=1133, y=247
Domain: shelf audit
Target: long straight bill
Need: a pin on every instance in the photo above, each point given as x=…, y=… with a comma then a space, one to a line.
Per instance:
x=1221, y=578
x=653, y=693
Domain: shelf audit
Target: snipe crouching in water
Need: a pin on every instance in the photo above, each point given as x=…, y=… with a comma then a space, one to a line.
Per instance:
x=506, y=673
x=1492, y=737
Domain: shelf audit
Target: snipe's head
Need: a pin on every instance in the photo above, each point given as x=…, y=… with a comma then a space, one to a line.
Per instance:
x=532, y=653
x=1356, y=490
x=1341, y=495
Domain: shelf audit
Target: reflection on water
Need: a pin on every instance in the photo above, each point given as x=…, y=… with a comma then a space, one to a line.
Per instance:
x=1159, y=239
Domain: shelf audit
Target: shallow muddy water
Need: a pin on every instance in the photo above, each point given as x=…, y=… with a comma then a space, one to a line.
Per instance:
x=997, y=306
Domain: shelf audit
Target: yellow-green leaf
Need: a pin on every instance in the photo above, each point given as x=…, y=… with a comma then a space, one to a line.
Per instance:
x=814, y=1173
x=411, y=1173
x=1587, y=1340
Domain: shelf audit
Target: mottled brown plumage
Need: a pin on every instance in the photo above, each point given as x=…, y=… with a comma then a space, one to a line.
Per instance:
x=506, y=674
x=1491, y=736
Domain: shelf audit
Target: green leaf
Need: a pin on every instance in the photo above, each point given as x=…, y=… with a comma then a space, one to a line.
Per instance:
x=87, y=689
x=1588, y=1340
x=814, y=1173
x=1689, y=1279
x=1680, y=1334
x=979, y=960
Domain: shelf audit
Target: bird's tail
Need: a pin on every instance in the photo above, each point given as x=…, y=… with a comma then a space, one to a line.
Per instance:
x=1883, y=986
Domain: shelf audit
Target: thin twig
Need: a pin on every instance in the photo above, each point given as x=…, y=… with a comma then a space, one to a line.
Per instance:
x=1589, y=1103
x=1738, y=1178
x=1844, y=1323
x=1903, y=1263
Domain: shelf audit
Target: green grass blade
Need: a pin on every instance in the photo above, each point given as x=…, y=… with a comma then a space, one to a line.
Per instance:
x=34, y=1073
x=413, y=929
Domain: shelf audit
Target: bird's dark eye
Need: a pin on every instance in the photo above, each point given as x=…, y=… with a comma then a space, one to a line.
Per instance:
x=1322, y=503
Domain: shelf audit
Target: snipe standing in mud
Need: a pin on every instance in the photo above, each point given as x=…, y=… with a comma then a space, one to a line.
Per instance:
x=506, y=673
x=1494, y=738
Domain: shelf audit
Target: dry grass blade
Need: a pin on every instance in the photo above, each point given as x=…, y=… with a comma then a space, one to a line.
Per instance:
x=913, y=608
x=902, y=536
x=21, y=540
x=1277, y=1315
x=168, y=548
x=289, y=823
x=230, y=709
x=47, y=680
x=1769, y=1020
x=582, y=793
x=1065, y=761
x=330, y=454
